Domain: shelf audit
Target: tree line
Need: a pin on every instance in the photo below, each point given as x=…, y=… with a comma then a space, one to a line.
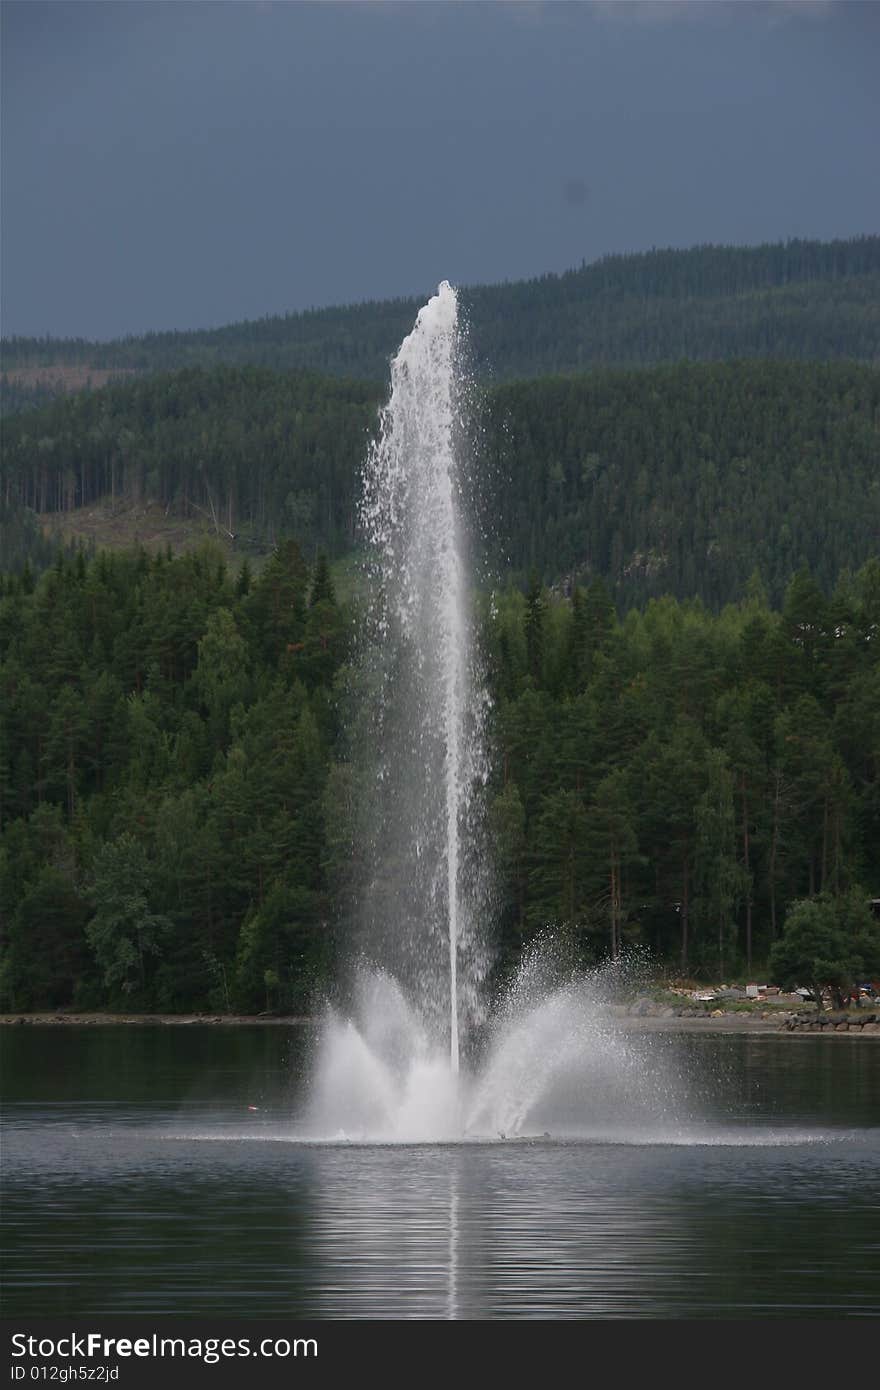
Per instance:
x=799, y=299
x=174, y=796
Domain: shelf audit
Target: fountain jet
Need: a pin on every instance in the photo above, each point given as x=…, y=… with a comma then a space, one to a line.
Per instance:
x=426, y=890
x=399, y=1062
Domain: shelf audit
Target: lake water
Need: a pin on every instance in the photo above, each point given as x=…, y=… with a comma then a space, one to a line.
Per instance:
x=136, y=1179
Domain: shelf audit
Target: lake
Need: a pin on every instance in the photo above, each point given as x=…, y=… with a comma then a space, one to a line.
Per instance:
x=137, y=1179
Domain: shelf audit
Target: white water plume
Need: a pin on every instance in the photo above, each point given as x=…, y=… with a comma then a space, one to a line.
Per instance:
x=424, y=902
x=411, y=1058
x=555, y=1062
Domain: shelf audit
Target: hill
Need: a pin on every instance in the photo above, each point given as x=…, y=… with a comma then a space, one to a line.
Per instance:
x=796, y=300
x=678, y=479
x=685, y=479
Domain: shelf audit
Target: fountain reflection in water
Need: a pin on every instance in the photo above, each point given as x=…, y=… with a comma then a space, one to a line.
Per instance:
x=398, y=1063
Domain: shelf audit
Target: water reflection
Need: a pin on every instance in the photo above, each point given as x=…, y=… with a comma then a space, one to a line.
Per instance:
x=452, y=1301
x=574, y=1231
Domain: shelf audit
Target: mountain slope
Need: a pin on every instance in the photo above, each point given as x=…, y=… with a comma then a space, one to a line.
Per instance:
x=799, y=299
x=679, y=479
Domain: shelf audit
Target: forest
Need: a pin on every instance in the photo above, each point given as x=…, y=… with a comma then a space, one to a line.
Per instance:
x=799, y=300
x=675, y=492
x=681, y=479
x=175, y=803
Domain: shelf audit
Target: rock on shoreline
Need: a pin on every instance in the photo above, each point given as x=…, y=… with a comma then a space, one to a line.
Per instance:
x=836, y=1022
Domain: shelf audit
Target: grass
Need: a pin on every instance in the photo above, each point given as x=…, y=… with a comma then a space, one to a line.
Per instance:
x=105, y=525
x=109, y=527
x=69, y=377
x=124, y=524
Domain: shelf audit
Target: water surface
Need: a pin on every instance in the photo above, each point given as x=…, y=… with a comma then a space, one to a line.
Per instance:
x=136, y=1179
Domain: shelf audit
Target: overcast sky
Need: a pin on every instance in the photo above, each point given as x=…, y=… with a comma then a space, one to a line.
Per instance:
x=186, y=163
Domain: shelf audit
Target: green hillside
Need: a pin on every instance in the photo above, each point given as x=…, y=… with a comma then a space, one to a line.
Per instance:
x=799, y=299
x=683, y=480
x=680, y=640
x=175, y=806
x=680, y=479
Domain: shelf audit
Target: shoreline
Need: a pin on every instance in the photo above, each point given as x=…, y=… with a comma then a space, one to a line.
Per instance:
x=733, y=1022
x=718, y=1023
x=49, y=1018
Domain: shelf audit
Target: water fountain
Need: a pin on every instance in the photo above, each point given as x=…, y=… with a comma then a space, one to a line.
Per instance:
x=427, y=874
x=399, y=1063
x=168, y=1192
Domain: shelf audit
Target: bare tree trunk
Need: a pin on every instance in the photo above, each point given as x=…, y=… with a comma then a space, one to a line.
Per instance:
x=71, y=783
x=615, y=905
x=746, y=866
x=684, y=912
x=774, y=848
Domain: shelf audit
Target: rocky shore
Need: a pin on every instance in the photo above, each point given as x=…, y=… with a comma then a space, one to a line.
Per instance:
x=837, y=1022
x=647, y=1014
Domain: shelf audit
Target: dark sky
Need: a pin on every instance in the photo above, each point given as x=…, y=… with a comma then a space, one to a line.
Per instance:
x=187, y=164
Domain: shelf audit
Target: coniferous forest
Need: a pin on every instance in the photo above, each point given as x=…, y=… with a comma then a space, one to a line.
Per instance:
x=174, y=805
x=679, y=479
x=679, y=607
x=801, y=300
